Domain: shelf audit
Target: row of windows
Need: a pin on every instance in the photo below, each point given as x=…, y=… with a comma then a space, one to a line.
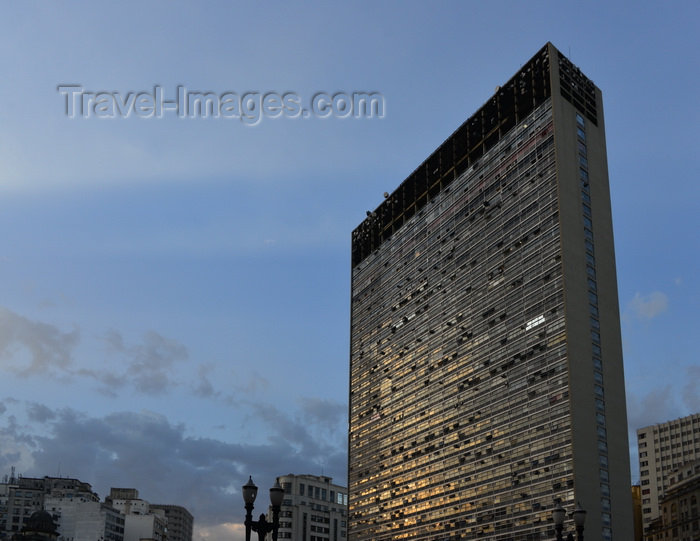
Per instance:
x=676, y=438
x=318, y=493
x=455, y=399
x=317, y=506
x=598, y=387
x=666, y=427
x=448, y=330
x=484, y=202
x=415, y=191
x=288, y=535
x=464, y=280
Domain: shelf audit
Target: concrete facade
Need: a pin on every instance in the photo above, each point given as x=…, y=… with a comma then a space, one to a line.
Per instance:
x=680, y=508
x=84, y=519
x=180, y=521
x=20, y=497
x=139, y=527
x=313, y=509
x=663, y=448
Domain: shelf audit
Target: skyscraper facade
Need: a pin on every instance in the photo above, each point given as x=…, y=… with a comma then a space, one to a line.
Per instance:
x=664, y=448
x=486, y=378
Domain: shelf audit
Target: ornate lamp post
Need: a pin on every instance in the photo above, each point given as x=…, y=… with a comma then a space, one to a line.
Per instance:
x=579, y=519
x=559, y=514
x=262, y=526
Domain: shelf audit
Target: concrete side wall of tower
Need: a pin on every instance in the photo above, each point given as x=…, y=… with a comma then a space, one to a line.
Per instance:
x=598, y=406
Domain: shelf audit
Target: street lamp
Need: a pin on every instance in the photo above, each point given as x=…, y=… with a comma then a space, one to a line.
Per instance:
x=579, y=519
x=558, y=516
x=262, y=526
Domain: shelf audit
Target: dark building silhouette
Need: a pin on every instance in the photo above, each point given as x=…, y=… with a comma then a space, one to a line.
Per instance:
x=39, y=527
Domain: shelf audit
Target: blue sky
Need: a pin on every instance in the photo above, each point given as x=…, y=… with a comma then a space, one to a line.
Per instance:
x=174, y=292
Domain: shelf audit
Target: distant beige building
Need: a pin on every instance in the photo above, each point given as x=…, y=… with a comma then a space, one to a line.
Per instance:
x=180, y=521
x=313, y=509
x=80, y=516
x=85, y=519
x=663, y=448
x=680, y=512
x=637, y=512
x=21, y=497
x=139, y=527
x=153, y=522
x=127, y=501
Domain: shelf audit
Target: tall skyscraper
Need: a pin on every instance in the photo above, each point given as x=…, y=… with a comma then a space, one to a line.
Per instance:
x=664, y=448
x=486, y=377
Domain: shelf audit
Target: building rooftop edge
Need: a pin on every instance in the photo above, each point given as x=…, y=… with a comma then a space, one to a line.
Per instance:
x=528, y=88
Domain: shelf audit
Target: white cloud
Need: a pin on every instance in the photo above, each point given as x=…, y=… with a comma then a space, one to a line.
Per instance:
x=147, y=367
x=657, y=406
x=324, y=413
x=647, y=307
x=14, y=454
x=203, y=386
x=15, y=447
x=30, y=347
